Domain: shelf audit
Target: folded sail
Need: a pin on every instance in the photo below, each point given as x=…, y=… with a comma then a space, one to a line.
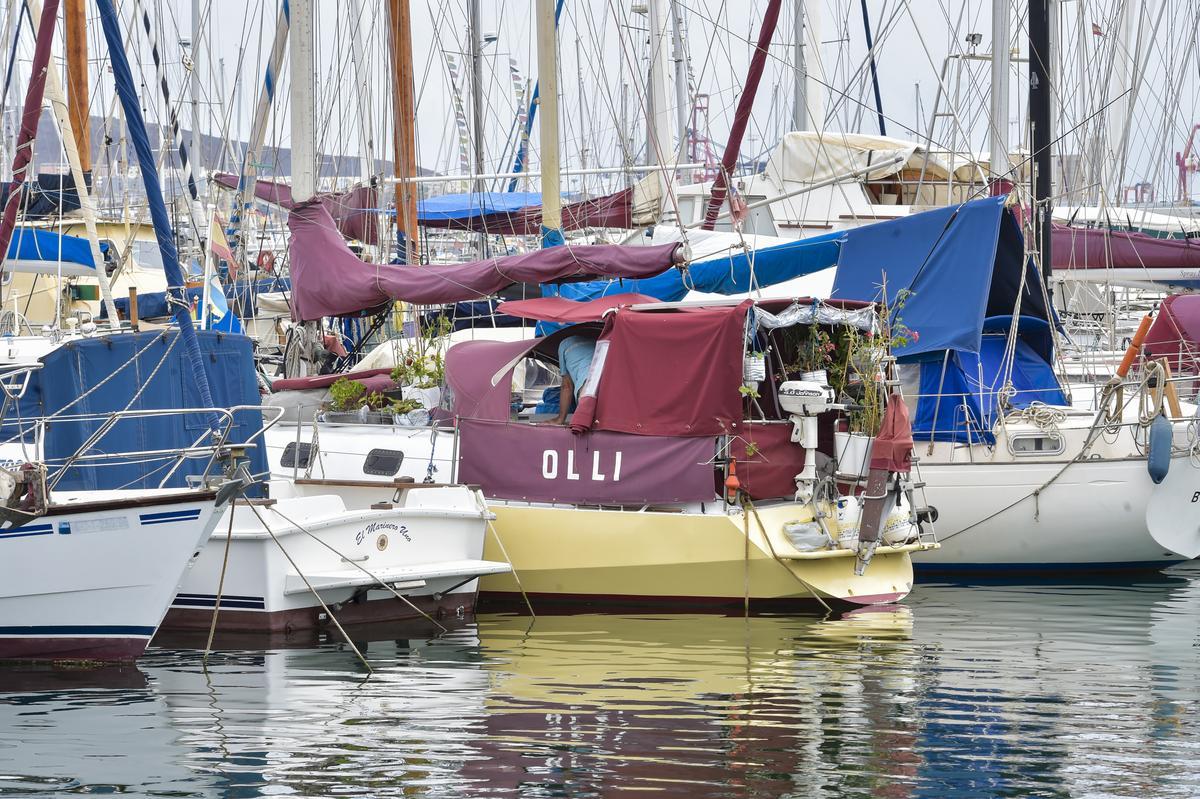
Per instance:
x=329, y=280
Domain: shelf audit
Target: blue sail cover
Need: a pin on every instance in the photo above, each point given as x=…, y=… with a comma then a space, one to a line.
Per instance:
x=34, y=244
x=962, y=264
x=729, y=274
x=455, y=207
x=76, y=370
x=242, y=296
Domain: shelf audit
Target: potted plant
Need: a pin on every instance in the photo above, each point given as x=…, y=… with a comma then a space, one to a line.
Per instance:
x=868, y=357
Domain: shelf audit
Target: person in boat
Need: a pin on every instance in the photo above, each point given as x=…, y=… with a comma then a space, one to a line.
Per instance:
x=575, y=355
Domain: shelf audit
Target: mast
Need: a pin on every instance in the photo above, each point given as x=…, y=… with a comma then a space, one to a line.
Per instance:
x=475, y=33
x=1040, y=92
x=547, y=62
x=176, y=295
x=197, y=35
x=660, y=147
x=682, y=98
x=523, y=146
x=303, y=89
x=75, y=17
x=404, y=127
x=258, y=132
x=30, y=114
x=1000, y=62
x=741, y=117
x=874, y=74
x=62, y=114
x=800, y=72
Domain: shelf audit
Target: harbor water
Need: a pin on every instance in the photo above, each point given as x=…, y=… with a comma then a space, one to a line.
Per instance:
x=977, y=690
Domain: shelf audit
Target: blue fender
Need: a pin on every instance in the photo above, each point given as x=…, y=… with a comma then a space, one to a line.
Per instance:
x=1158, y=462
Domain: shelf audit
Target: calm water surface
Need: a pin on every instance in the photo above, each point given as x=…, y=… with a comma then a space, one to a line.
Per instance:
x=965, y=691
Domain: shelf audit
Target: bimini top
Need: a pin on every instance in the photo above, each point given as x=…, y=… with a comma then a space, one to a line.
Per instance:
x=571, y=312
x=962, y=264
x=329, y=280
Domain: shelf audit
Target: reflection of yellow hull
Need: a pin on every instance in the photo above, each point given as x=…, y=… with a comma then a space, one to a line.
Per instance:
x=656, y=559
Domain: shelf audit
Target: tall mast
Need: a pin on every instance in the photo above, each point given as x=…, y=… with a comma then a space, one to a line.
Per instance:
x=1000, y=62
x=197, y=35
x=660, y=147
x=404, y=127
x=176, y=296
x=303, y=89
x=741, y=117
x=547, y=61
x=874, y=73
x=475, y=33
x=682, y=98
x=531, y=117
x=1040, y=92
x=30, y=115
x=58, y=103
x=75, y=14
x=799, y=72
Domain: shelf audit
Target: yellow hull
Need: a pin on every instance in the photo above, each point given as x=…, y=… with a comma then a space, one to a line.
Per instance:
x=649, y=559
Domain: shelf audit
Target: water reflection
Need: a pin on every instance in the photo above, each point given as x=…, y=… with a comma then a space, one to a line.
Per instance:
x=967, y=691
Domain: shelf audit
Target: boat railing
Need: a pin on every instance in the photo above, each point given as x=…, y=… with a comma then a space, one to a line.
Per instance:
x=211, y=444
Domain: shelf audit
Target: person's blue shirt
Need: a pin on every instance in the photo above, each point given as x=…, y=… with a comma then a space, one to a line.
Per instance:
x=575, y=359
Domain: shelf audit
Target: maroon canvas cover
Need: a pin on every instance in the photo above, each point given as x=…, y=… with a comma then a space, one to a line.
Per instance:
x=612, y=211
x=329, y=280
x=572, y=312
x=668, y=374
x=893, y=446
x=767, y=460
x=324, y=381
x=355, y=211
x=1099, y=248
x=547, y=463
x=1175, y=334
x=479, y=375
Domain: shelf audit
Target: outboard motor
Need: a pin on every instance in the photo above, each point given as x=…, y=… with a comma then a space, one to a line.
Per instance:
x=803, y=401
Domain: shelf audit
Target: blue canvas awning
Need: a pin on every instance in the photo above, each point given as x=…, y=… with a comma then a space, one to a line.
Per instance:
x=962, y=264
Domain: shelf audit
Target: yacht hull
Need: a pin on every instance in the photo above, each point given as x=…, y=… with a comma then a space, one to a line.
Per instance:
x=992, y=515
x=677, y=560
x=91, y=580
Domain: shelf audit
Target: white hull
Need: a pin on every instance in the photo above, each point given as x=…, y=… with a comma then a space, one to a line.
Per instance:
x=1094, y=515
x=92, y=582
x=427, y=546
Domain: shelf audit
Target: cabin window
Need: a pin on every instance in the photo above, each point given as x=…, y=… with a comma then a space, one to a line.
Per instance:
x=1036, y=444
x=290, y=459
x=687, y=210
x=383, y=462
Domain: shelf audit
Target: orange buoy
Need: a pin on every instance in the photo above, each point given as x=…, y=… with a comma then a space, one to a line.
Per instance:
x=732, y=483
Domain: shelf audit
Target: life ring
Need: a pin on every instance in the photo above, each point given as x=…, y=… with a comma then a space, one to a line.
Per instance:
x=266, y=260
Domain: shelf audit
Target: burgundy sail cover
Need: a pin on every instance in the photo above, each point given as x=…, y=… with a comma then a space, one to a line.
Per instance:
x=1099, y=248
x=329, y=280
x=547, y=463
x=356, y=212
x=893, y=446
x=669, y=374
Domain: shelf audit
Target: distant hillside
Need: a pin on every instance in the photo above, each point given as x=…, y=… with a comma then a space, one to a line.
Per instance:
x=48, y=155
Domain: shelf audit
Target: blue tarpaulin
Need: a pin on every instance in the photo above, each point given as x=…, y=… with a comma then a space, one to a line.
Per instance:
x=33, y=244
x=79, y=367
x=962, y=264
x=959, y=392
x=465, y=206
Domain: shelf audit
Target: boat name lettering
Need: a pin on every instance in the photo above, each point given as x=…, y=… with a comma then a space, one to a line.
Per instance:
x=379, y=527
x=1196, y=497
x=603, y=466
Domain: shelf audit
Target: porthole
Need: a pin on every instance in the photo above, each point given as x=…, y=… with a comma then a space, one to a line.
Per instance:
x=289, y=459
x=383, y=462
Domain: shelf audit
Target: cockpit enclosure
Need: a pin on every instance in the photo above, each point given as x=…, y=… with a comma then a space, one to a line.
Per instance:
x=699, y=384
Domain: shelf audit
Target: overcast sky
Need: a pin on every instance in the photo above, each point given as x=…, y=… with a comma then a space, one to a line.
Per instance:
x=602, y=61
